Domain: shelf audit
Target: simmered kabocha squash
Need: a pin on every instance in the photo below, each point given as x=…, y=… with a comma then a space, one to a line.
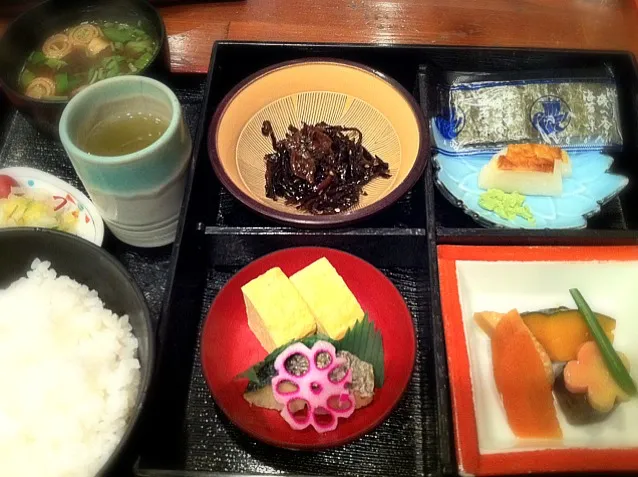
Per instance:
x=562, y=331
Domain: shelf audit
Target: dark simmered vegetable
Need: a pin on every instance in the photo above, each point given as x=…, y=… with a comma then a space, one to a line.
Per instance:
x=83, y=54
x=320, y=168
x=576, y=406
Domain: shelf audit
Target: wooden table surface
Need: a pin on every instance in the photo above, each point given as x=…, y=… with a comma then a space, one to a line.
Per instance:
x=584, y=24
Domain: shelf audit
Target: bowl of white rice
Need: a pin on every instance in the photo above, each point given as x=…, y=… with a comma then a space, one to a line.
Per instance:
x=76, y=355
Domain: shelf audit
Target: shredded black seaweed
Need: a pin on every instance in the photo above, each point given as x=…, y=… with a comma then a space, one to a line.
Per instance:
x=320, y=168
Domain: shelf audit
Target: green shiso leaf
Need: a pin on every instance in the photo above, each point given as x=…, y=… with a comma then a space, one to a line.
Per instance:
x=250, y=374
x=362, y=340
x=365, y=342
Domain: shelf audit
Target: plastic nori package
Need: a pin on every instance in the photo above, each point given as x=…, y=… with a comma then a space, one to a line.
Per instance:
x=574, y=109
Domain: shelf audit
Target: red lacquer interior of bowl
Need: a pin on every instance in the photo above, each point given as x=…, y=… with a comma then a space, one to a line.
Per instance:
x=229, y=347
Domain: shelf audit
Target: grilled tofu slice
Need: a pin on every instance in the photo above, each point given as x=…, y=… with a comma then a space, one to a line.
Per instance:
x=529, y=169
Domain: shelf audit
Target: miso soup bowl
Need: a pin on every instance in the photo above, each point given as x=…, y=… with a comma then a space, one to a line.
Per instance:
x=33, y=27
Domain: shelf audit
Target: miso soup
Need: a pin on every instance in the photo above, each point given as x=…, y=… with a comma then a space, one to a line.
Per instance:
x=83, y=54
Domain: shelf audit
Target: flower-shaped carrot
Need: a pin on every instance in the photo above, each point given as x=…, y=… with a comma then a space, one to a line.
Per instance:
x=589, y=374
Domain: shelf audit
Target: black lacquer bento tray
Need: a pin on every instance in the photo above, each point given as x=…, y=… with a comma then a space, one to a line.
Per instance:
x=184, y=434
x=187, y=434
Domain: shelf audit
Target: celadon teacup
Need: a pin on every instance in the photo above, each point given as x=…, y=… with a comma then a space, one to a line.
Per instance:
x=139, y=195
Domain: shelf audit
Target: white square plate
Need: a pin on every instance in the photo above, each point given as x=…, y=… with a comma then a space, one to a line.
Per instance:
x=476, y=279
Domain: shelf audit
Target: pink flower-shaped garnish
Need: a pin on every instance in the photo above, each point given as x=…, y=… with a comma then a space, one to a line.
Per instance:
x=589, y=374
x=319, y=394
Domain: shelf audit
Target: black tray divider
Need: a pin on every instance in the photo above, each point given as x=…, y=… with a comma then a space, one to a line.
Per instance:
x=447, y=456
x=385, y=246
x=185, y=284
x=193, y=473
x=218, y=236
x=210, y=252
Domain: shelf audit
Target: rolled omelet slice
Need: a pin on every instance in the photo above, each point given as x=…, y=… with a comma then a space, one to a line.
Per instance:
x=331, y=301
x=277, y=314
x=529, y=169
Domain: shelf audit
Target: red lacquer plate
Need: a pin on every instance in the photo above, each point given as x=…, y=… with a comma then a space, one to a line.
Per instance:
x=476, y=278
x=229, y=347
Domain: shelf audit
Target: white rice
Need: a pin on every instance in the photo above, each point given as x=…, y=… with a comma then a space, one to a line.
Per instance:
x=69, y=377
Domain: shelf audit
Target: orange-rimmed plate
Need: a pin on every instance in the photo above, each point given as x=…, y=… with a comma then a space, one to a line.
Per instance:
x=474, y=278
x=229, y=347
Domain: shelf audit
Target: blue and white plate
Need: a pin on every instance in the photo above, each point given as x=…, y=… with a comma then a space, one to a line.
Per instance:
x=589, y=187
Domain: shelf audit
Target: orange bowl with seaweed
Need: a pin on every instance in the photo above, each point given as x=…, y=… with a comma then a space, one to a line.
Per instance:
x=318, y=142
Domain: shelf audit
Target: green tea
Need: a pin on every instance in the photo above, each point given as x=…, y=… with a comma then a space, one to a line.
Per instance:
x=124, y=133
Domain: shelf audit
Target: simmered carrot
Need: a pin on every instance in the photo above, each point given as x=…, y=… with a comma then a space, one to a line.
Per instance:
x=521, y=380
x=588, y=373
